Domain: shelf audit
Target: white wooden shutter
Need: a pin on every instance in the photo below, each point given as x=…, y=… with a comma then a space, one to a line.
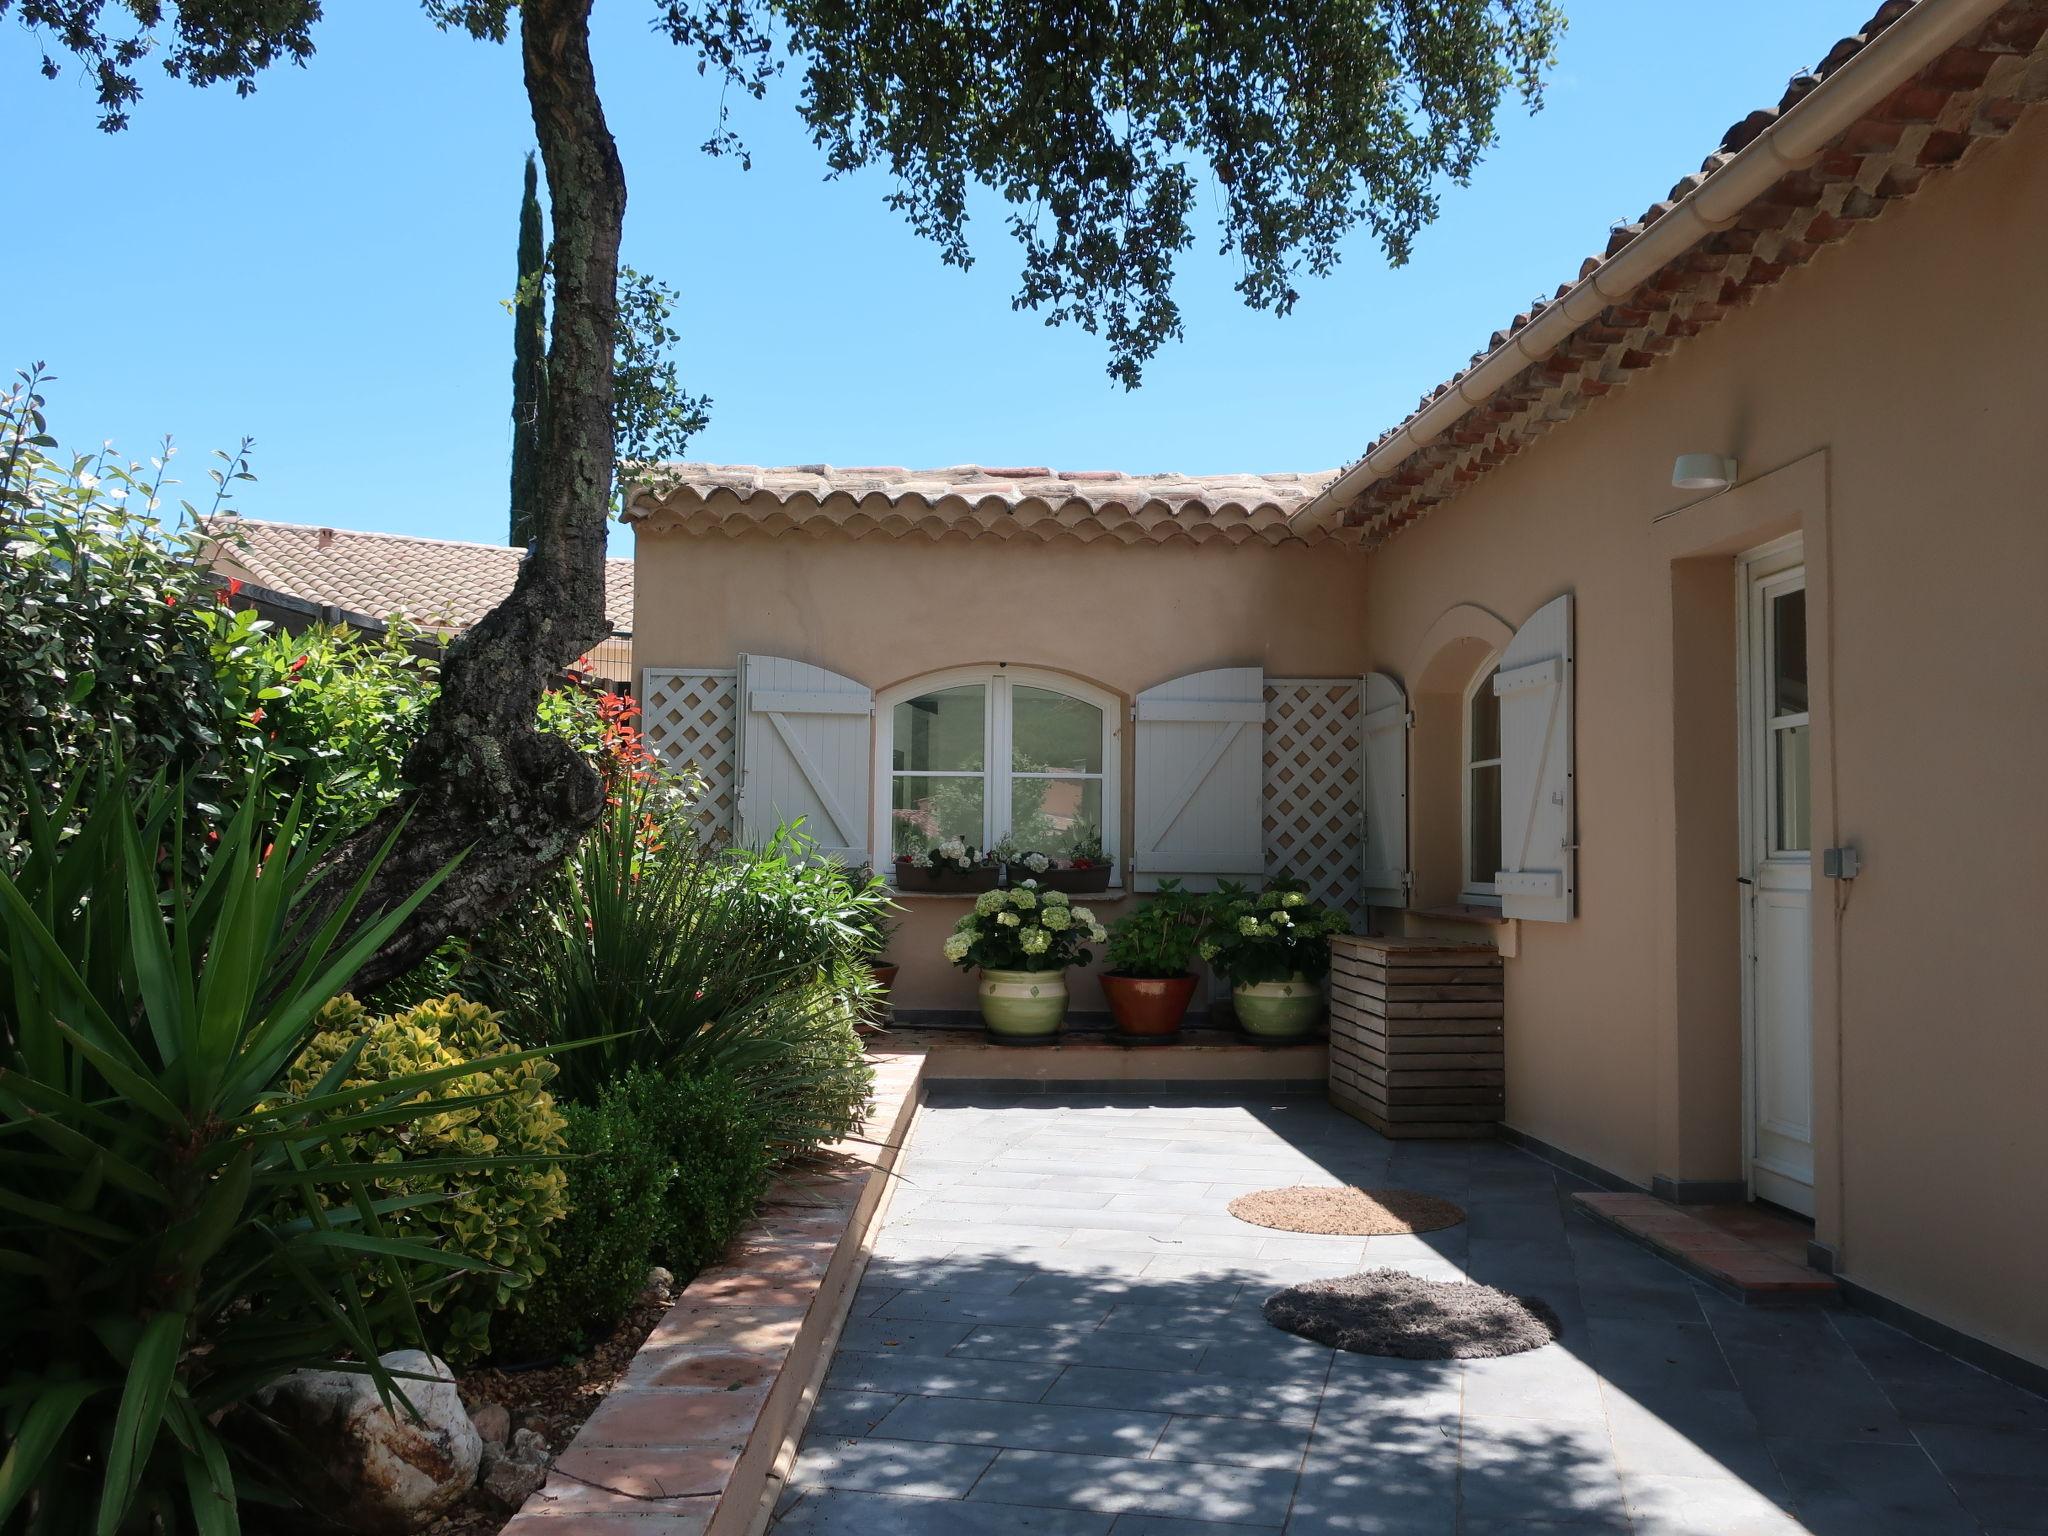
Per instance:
x=805, y=751
x=1386, y=880
x=1538, y=841
x=1201, y=779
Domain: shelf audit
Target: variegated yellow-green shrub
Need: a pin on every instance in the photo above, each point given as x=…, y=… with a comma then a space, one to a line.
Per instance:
x=501, y=1217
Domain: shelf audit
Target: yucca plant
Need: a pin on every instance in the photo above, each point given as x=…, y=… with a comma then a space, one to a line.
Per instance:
x=151, y=1279
x=681, y=956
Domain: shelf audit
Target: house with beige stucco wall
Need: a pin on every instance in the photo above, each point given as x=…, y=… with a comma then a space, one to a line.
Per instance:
x=1689, y=649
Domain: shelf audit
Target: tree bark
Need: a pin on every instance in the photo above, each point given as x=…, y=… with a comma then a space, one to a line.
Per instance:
x=487, y=786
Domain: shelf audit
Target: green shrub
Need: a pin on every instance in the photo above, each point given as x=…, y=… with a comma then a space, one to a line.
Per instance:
x=619, y=1179
x=505, y=1221
x=672, y=949
x=712, y=1131
x=103, y=641
x=820, y=1090
x=179, y=1229
x=327, y=714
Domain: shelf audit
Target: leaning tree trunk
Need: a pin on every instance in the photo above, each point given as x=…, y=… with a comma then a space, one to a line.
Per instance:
x=486, y=784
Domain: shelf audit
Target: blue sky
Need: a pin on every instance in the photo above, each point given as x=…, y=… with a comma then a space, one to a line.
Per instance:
x=321, y=267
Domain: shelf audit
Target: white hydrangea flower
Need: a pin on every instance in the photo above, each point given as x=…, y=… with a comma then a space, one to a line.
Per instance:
x=990, y=901
x=1208, y=949
x=1248, y=926
x=1034, y=941
x=1056, y=899
x=1038, y=863
x=957, y=946
x=1009, y=919
x=1293, y=899
x=1056, y=918
x=1098, y=934
x=1084, y=917
x=1024, y=897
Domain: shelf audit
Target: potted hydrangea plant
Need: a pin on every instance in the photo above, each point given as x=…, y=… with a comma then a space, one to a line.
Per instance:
x=952, y=865
x=1148, y=982
x=1275, y=948
x=1022, y=940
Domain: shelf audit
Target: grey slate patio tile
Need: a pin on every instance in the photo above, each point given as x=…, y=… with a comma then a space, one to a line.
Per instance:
x=969, y=1307
x=1193, y=1490
x=1999, y=1474
x=839, y=1512
x=926, y=1376
x=1551, y=1384
x=1368, y=1492
x=1651, y=1359
x=1163, y=1392
x=1531, y=1469
x=1233, y=1442
x=1069, y=1346
x=1279, y=1358
x=1710, y=1506
x=1823, y=1396
x=849, y=1414
x=1849, y=1488
x=1025, y=1426
x=1929, y=1387
x=926, y=1470
x=1166, y=1525
x=1699, y=1435
x=898, y=1336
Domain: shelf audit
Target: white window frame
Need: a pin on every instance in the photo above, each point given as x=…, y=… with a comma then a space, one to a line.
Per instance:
x=996, y=773
x=1477, y=893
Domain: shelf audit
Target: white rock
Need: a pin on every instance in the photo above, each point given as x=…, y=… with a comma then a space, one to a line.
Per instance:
x=380, y=1471
x=659, y=1285
x=511, y=1473
x=493, y=1423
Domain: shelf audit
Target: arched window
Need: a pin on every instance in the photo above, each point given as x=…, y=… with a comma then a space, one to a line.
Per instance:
x=1482, y=788
x=994, y=752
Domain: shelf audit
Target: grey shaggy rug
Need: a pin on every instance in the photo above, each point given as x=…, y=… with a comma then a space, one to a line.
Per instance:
x=1391, y=1312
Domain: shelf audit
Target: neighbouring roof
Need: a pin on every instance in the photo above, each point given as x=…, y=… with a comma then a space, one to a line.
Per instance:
x=1969, y=91
x=438, y=582
x=977, y=502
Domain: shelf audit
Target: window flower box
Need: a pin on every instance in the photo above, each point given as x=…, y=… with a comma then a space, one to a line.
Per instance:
x=944, y=877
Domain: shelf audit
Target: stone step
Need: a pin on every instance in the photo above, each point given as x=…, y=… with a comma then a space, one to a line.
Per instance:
x=1727, y=1261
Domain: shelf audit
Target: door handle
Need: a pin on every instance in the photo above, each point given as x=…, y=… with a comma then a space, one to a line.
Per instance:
x=1743, y=880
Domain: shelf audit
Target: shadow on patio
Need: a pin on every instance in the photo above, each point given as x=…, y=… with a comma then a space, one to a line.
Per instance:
x=1060, y=1332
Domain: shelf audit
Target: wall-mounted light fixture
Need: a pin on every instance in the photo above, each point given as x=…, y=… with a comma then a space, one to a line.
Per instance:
x=1703, y=472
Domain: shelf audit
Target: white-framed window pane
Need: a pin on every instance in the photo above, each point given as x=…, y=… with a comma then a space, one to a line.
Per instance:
x=1482, y=826
x=1788, y=653
x=1051, y=731
x=1792, y=769
x=926, y=809
x=941, y=732
x=1046, y=813
x=1483, y=734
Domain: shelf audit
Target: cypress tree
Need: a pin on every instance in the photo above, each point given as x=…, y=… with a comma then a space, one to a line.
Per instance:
x=529, y=360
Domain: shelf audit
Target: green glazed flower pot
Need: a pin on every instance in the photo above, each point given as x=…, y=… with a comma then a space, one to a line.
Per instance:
x=1278, y=1010
x=1023, y=1005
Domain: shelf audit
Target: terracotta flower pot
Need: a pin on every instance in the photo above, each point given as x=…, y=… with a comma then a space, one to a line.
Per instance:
x=1146, y=1007
x=1023, y=1006
x=1278, y=1010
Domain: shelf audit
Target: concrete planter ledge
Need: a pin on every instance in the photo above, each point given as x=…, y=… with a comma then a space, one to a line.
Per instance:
x=699, y=1436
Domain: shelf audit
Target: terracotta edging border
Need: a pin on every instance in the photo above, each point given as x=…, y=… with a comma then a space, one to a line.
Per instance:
x=697, y=1436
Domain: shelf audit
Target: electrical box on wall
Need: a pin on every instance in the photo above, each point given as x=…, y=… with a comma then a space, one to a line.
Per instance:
x=1841, y=863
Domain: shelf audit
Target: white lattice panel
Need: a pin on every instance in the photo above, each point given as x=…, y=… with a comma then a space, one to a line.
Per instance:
x=689, y=717
x=1315, y=808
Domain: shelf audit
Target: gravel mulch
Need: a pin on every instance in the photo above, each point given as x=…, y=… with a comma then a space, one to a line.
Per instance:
x=1390, y=1312
x=553, y=1401
x=1347, y=1211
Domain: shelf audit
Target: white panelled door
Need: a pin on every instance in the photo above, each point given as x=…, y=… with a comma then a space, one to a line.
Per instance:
x=1538, y=841
x=804, y=752
x=1200, y=779
x=1386, y=879
x=1777, y=875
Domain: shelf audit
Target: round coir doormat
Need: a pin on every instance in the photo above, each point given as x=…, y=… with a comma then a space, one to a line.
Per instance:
x=1347, y=1211
x=1390, y=1312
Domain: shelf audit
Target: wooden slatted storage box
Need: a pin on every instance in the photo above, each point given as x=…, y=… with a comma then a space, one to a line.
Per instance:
x=1415, y=1036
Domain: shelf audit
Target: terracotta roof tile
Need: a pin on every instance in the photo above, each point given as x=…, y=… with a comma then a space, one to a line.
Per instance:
x=975, y=501
x=1971, y=91
x=438, y=582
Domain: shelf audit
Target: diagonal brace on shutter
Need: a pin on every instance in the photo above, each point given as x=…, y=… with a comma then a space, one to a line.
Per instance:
x=849, y=835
